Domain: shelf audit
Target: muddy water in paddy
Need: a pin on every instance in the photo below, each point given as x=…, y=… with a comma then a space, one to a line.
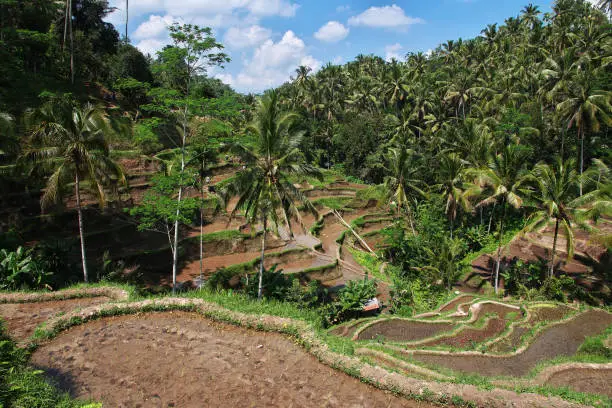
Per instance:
x=404, y=330
x=183, y=360
x=560, y=340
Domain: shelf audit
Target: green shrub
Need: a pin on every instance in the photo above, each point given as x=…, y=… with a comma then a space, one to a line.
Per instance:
x=145, y=137
x=23, y=387
x=19, y=270
x=350, y=301
x=594, y=346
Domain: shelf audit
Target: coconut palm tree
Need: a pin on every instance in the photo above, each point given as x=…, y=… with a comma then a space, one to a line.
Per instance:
x=401, y=183
x=555, y=192
x=585, y=107
x=70, y=141
x=452, y=185
x=265, y=193
x=504, y=176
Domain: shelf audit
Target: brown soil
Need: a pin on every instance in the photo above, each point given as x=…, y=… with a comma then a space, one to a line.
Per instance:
x=23, y=318
x=537, y=315
x=324, y=192
x=373, y=226
x=183, y=360
x=347, y=330
x=495, y=308
x=456, y=302
x=537, y=246
x=584, y=380
x=560, y=340
x=403, y=330
x=469, y=336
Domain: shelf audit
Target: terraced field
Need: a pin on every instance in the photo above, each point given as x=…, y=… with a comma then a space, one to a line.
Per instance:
x=501, y=342
x=103, y=358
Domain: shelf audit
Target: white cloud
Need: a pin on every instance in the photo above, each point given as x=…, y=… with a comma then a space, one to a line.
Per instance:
x=252, y=36
x=151, y=45
x=337, y=60
x=272, y=8
x=385, y=17
x=154, y=27
x=137, y=8
x=272, y=64
x=392, y=51
x=333, y=31
x=281, y=8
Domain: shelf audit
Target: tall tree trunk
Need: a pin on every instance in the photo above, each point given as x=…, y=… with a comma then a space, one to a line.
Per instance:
x=127, y=18
x=499, y=246
x=71, y=45
x=201, y=227
x=581, y=156
x=180, y=192
x=554, y=249
x=491, y=218
x=178, y=213
x=261, y=262
x=81, y=228
x=66, y=14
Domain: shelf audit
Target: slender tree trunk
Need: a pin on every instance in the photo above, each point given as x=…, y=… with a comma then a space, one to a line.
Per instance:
x=201, y=232
x=261, y=262
x=499, y=246
x=66, y=14
x=491, y=218
x=176, y=221
x=581, y=156
x=554, y=249
x=71, y=46
x=81, y=228
x=127, y=15
x=180, y=192
x=563, y=131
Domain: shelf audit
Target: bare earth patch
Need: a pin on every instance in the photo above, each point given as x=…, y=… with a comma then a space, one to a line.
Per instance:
x=584, y=380
x=183, y=360
x=23, y=318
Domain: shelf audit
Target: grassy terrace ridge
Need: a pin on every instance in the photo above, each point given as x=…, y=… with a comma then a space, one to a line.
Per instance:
x=302, y=325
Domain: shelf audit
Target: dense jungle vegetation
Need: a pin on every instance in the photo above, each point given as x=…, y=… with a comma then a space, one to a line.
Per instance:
x=469, y=145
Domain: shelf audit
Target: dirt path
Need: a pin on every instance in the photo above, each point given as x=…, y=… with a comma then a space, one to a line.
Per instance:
x=23, y=318
x=560, y=340
x=197, y=363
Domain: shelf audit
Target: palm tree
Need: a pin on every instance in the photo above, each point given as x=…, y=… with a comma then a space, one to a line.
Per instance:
x=554, y=190
x=402, y=180
x=585, y=106
x=71, y=142
x=301, y=76
x=452, y=186
x=263, y=188
x=504, y=175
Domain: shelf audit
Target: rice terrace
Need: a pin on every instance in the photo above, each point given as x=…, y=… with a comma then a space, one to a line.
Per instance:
x=199, y=210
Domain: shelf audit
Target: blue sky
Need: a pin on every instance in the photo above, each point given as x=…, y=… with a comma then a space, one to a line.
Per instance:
x=268, y=39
